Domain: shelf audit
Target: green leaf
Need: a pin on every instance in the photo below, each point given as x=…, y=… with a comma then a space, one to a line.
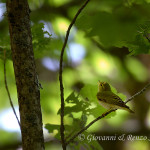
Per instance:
x=141, y=42
x=111, y=28
x=52, y=127
x=45, y=45
x=71, y=109
x=139, y=46
x=88, y=92
x=77, y=105
x=39, y=41
x=112, y=25
x=72, y=98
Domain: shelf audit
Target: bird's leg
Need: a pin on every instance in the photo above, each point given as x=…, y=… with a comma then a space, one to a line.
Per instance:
x=103, y=114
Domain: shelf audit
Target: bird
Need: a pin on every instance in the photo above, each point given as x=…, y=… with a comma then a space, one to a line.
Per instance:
x=108, y=99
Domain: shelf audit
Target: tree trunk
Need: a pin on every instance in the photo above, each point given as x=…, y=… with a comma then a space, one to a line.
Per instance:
x=25, y=74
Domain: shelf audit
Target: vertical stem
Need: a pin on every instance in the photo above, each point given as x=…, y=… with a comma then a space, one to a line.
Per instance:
x=6, y=86
x=62, y=129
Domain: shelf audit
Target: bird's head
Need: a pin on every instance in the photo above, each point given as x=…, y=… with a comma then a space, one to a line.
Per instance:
x=103, y=86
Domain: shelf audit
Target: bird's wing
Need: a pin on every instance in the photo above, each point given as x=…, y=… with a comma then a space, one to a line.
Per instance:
x=110, y=98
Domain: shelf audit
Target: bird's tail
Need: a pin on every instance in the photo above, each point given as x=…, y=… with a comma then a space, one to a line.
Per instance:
x=129, y=110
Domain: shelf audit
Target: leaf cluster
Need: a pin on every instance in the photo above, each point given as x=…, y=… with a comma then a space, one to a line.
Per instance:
x=78, y=107
x=117, y=24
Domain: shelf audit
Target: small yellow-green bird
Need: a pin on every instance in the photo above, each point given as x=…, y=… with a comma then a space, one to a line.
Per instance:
x=108, y=99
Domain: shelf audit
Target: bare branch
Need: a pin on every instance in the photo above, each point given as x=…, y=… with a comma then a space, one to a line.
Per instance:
x=105, y=114
x=86, y=127
x=6, y=86
x=138, y=93
x=60, y=75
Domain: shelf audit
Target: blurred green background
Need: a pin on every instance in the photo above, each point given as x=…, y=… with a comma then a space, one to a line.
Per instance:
x=107, y=43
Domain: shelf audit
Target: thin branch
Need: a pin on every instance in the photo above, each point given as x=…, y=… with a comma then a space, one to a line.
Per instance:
x=6, y=86
x=105, y=114
x=62, y=129
x=86, y=127
x=147, y=38
x=138, y=93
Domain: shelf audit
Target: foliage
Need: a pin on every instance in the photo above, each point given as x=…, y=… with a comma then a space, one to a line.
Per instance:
x=79, y=106
x=43, y=44
x=39, y=41
x=113, y=24
x=117, y=26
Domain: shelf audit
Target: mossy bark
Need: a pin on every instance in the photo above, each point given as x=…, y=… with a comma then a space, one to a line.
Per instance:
x=25, y=74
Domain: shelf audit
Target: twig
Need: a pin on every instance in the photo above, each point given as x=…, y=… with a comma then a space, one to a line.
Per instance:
x=105, y=114
x=6, y=86
x=86, y=127
x=147, y=38
x=138, y=93
x=60, y=75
